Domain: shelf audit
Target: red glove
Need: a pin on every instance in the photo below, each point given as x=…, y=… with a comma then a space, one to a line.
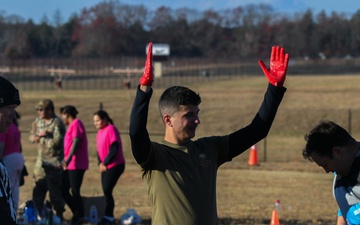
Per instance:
x=148, y=76
x=276, y=74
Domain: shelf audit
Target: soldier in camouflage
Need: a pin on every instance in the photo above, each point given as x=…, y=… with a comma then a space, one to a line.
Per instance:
x=48, y=132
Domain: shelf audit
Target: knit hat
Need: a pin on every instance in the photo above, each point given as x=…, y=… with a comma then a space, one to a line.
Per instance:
x=9, y=95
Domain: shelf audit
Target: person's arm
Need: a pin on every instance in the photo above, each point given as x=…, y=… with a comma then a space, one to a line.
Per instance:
x=98, y=158
x=113, y=151
x=340, y=221
x=139, y=136
x=140, y=140
x=74, y=148
x=54, y=139
x=33, y=137
x=243, y=139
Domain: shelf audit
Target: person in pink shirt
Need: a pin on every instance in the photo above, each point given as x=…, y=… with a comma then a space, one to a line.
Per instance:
x=10, y=144
x=110, y=159
x=76, y=162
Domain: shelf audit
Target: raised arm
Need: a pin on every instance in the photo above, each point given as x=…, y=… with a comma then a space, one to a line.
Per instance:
x=140, y=141
x=258, y=129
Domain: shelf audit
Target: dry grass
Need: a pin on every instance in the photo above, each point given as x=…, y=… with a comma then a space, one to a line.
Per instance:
x=246, y=194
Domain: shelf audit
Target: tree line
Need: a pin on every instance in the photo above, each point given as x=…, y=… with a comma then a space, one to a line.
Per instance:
x=113, y=29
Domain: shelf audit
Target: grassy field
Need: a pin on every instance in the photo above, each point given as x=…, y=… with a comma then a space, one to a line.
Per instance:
x=246, y=194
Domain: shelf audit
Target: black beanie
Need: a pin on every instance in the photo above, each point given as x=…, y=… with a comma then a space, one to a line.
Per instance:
x=9, y=95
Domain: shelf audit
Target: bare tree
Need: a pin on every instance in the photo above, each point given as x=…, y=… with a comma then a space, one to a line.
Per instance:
x=355, y=34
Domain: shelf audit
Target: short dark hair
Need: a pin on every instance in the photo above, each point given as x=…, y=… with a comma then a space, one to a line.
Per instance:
x=176, y=96
x=324, y=137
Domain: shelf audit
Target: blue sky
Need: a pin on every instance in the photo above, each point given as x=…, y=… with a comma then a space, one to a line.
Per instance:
x=36, y=9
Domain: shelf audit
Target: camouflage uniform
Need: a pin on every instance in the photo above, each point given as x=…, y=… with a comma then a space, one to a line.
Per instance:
x=48, y=171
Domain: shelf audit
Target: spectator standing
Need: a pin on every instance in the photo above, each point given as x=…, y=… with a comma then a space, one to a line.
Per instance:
x=12, y=157
x=47, y=131
x=76, y=162
x=9, y=100
x=111, y=160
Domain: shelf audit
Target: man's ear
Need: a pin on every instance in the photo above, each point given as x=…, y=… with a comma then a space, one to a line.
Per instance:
x=167, y=120
x=337, y=151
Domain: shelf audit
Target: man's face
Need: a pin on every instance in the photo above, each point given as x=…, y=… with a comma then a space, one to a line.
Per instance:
x=340, y=163
x=184, y=122
x=7, y=116
x=45, y=113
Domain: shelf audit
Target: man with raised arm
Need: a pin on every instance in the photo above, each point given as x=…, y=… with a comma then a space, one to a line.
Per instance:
x=180, y=173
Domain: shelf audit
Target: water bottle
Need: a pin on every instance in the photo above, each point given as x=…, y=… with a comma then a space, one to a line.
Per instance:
x=277, y=205
x=30, y=211
x=93, y=215
x=48, y=213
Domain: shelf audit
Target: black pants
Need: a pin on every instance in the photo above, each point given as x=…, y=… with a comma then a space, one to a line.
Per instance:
x=52, y=183
x=71, y=181
x=109, y=179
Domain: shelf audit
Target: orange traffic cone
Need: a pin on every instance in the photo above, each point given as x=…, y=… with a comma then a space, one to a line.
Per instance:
x=274, y=218
x=253, y=159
